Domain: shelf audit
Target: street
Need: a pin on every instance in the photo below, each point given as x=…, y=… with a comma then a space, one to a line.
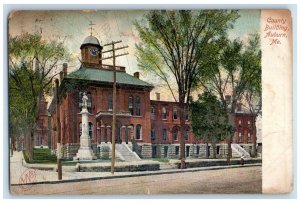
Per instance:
x=245, y=180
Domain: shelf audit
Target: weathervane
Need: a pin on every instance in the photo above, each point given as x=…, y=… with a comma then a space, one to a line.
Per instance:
x=91, y=24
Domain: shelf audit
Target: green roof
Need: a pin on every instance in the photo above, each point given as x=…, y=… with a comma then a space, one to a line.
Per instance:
x=106, y=76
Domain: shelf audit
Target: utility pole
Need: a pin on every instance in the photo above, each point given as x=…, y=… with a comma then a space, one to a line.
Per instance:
x=114, y=56
x=58, y=137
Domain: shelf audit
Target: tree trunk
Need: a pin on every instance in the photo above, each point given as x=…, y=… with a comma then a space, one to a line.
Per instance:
x=214, y=149
x=207, y=151
x=230, y=136
x=58, y=133
x=182, y=131
x=31, y=145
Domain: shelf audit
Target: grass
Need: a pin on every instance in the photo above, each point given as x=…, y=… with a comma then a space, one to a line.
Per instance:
x=40, y=156
x=163, y=160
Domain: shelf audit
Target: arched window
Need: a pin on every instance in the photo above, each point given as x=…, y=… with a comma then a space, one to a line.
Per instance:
x=240, y=123
x=175, y=113
x=164, y=134
x=88, y=102
x=138, y=134
x=110, y=102
x=187, y=115
x=91, y=130
x=240, y=137
x=137, y=106
x=130, y=104
x=175, y=133
x=152, y=134
x=164, y=113
x=152, y=112
x=249, y=137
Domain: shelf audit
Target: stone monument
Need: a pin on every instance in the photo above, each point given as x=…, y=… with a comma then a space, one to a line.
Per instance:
x=85, y=151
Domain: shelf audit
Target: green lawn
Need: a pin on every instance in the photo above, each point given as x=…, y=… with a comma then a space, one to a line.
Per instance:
x=40, y=156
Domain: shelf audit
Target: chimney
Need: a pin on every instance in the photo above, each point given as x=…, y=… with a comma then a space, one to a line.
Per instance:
x=61, y=76
x=157, y=96
x=65, y=69
x=136, y=75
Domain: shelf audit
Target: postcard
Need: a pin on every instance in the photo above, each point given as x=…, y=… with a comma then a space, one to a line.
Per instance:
x=126, y=102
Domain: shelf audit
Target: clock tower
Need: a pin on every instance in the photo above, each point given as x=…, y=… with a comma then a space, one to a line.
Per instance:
x=91, y=52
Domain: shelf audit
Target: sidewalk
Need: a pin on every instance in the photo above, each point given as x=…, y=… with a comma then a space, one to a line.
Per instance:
x=17, y=172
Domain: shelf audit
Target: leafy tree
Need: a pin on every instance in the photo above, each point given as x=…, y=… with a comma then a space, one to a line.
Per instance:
x=235, y=71
x=252, y=98
x=171, y=47
x=32, y=66
x=209, y=120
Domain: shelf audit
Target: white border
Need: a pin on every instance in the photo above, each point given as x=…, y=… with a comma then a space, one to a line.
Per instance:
x=146, y=4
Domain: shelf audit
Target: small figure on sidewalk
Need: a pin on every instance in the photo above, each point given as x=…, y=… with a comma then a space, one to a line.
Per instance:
x=242, y=159
x=182, y=164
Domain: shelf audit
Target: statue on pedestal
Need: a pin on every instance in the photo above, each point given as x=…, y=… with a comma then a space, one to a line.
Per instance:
x=85, y=151
x=84, y=100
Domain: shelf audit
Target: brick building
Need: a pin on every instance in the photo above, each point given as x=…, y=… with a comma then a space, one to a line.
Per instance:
x=149, y=128
x=41, y=134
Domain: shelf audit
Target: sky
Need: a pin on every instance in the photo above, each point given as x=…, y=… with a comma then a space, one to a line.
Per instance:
x=73, y=26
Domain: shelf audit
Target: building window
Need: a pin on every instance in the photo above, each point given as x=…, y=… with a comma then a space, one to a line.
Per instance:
x=198, y=150
x=249, y=137
x=165, y=151
x=218, y=149
x=249, y=124
x=152, y=111
x=186, y=133
x=130, y=104
x=176, y=150
x=90, y=130
x=240, y=137
x=187, y=116
x=175, y=113
x=164, y=134
x=110, y=102
x=152, y=134
x=175, y=133
x=154, y=153
x=137, y=106
x=88, y=102
x=164, y=113
x=187, y=151
x=138, y=134
x=240, y=123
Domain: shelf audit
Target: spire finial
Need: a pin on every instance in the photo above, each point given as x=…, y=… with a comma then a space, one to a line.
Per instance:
x=91, y=28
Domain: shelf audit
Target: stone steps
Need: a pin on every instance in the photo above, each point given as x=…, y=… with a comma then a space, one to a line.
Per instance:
x=126, y=153
x=238, y=151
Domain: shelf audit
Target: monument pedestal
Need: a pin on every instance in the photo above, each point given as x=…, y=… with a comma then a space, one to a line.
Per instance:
x=85, y=151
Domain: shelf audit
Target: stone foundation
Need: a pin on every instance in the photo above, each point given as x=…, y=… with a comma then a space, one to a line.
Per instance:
x=70, y=150
x=146, y=151
x=172, y=151
x=103, y=151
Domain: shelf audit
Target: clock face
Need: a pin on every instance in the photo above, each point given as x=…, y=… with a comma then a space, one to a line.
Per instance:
x=94, y=51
